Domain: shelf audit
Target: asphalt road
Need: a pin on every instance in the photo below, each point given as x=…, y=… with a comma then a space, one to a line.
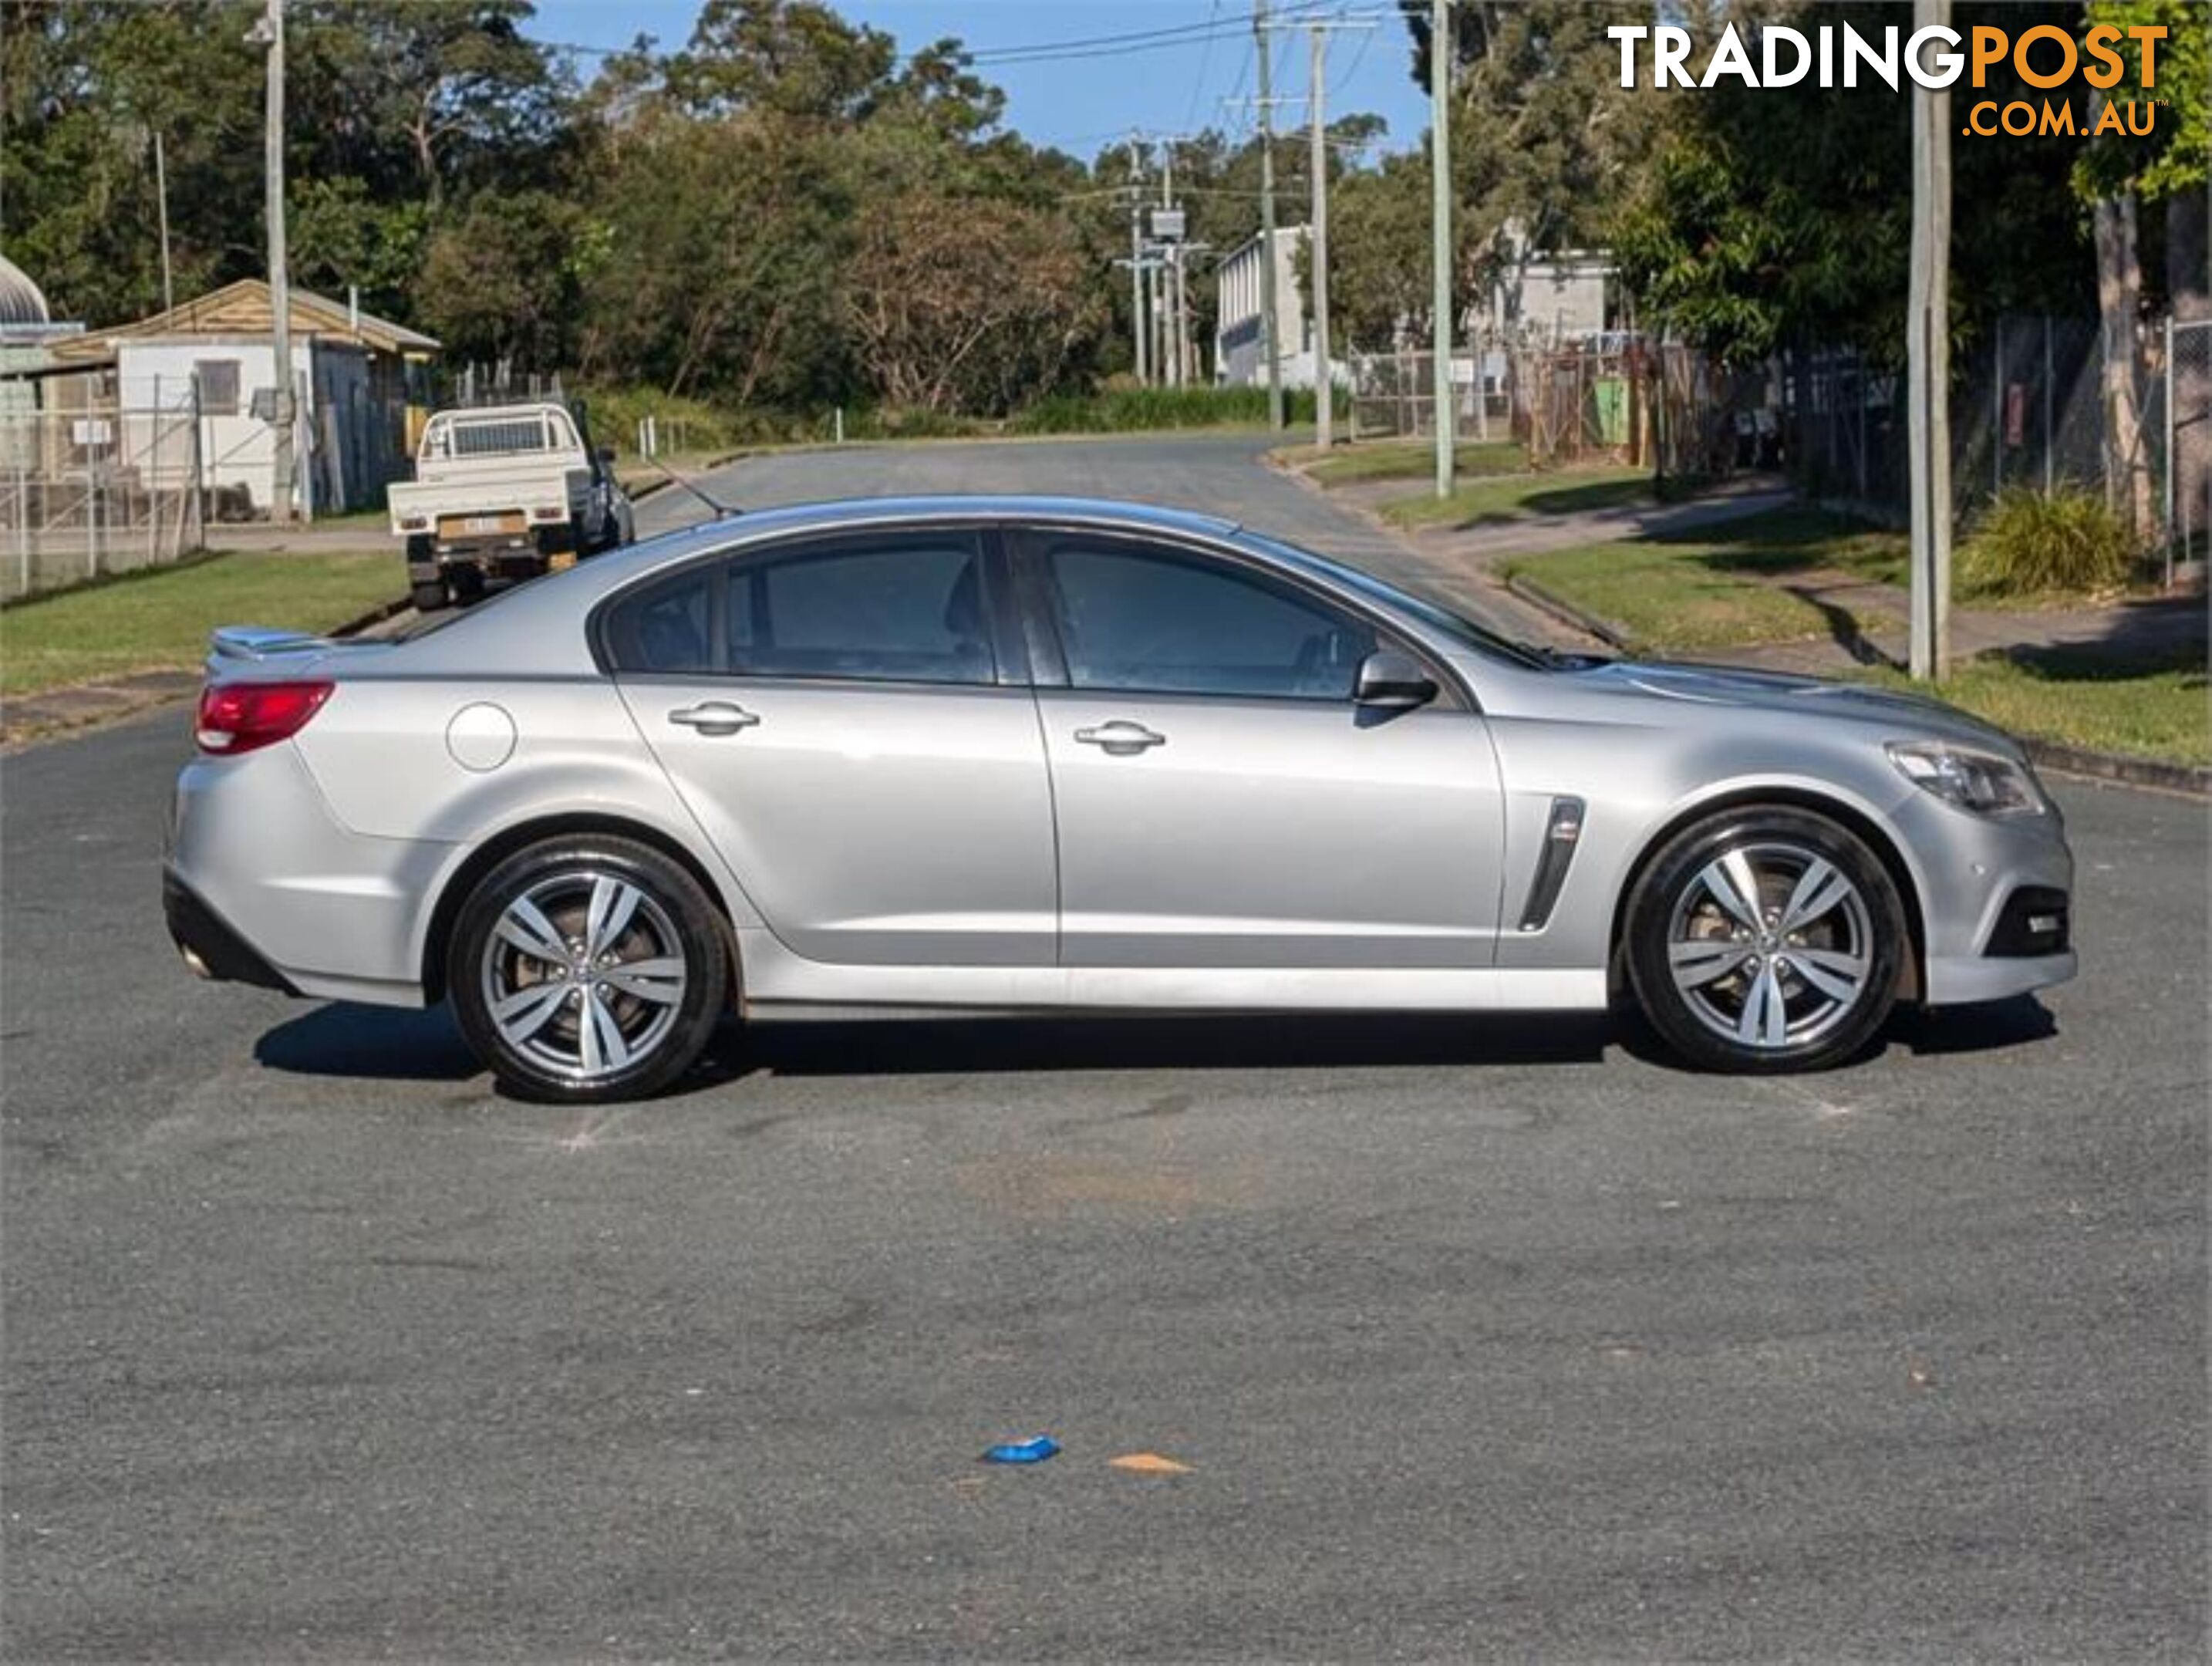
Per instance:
x=1480, y=1339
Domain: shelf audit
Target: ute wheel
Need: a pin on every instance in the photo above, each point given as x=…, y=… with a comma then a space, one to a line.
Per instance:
x=467, y=584
x=1765, y=939
x=588, y=969
x=428, y=596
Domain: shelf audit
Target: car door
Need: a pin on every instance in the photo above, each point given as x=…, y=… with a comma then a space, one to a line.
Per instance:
x=852, y=727
x=1220, y=799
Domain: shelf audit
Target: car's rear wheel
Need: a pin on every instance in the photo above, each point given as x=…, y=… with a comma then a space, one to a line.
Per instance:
x=1766, y=938
x=588, y=969
x=428, y=596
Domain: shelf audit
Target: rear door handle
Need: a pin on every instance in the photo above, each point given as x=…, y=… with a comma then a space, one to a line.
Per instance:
x=1120, y=737
x=715, y=717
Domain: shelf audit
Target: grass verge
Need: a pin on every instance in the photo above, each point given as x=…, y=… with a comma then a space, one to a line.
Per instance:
x=159, y=619
x=2147, y=706
x=1503, y=499
x=1725, y=586
x=1403, y=459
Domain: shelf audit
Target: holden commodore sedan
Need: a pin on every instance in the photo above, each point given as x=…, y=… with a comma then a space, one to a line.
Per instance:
x=1023, y=755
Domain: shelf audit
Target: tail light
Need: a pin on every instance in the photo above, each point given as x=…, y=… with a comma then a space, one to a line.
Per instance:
x=238, y=717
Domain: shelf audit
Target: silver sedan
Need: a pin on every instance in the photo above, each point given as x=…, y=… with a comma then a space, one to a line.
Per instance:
x=1020, y=755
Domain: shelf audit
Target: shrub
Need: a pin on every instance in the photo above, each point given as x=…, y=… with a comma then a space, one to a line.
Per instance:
x=1123, y=408
x=2029, y=544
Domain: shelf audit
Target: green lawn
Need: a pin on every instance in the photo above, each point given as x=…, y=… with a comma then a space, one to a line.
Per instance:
x=159, y=619
x=1700, y=590
x=2150, y=708
x=1500, y=499
x=1403, y=459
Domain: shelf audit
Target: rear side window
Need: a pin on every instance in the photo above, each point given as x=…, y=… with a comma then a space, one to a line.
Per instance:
x=1142, y=619
x=902, y=607
x=905, y=607
x=666, y=626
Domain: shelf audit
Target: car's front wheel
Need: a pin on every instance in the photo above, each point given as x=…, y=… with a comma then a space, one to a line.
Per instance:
x=1766, y=938
x=587, y=970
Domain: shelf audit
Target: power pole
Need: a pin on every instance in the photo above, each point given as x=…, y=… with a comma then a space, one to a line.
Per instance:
x=1440, y=242
x=1317, y=120
x=1170, y=275
x=1137, y=326
x=1317, y=165
x=1268, y=222
x=162, y=194
x=1928, y=367
x=279, y=287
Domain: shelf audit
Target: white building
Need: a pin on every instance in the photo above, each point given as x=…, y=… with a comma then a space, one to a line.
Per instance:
x=1239, y=351
x=1555, y=297
x=353, y=376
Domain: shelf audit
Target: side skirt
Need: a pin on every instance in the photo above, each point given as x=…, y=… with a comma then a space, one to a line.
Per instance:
x=779, y=984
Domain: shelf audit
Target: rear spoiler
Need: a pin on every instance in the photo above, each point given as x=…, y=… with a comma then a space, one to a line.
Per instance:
x=235, y=647
x=231, y=643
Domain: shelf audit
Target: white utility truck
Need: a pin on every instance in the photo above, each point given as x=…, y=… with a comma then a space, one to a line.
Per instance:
x=503, y=492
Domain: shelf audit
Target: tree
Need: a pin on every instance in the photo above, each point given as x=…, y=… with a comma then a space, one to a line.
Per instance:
x=1379, y=252
x=2114, y=174
x=963, y=305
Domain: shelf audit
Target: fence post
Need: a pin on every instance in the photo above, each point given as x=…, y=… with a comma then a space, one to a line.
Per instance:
x=1997, y=407
x=2169, y=447
x=1858, y=366
x=23, y=519
x=199, y=472
x=2050, y=434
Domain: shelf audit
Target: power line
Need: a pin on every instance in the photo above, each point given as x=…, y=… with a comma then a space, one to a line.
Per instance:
x=1197, y=88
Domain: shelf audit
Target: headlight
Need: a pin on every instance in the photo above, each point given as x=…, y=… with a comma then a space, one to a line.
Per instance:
x=1983, y=782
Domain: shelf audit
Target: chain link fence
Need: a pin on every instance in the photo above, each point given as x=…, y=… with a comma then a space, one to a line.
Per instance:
x=2029, y=409
x=1393, y=394
x=2185, y=439
x=104, y=488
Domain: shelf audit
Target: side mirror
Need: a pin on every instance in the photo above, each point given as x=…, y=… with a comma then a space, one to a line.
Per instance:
x=606, y=454
x=1392, y=681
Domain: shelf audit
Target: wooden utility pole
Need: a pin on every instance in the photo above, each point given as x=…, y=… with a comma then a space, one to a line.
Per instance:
x=1137, y=329
x=283, y=470
x=1440, y=239
x=1317, y=165
x=1171, y=274
x=1266, y=106
x=161, y=196
x=1928, y=358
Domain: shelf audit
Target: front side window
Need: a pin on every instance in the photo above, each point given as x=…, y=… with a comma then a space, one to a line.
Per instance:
x=905, y=607
x=1142, y=619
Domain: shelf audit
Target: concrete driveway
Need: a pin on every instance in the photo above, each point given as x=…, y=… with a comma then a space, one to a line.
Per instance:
x=1480, y=1340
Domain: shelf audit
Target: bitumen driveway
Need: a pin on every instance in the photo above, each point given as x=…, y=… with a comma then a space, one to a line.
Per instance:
x=1495, y=1339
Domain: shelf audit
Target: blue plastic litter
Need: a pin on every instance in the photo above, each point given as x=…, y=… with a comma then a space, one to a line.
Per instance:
x=1022, y=1451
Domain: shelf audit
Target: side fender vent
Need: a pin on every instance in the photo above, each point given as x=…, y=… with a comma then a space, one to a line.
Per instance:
x=1562, y=831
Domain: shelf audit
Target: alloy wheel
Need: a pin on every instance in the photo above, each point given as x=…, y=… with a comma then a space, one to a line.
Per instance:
x=1771, y=945
x=584, y=974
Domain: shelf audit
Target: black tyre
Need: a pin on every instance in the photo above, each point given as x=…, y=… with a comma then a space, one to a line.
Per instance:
x=588, y=969
x=1763, y=939
x=429, y=596
x=467, y=584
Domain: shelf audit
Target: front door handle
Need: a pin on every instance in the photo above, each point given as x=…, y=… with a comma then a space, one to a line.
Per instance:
x=1120, y=737
x=715, y=717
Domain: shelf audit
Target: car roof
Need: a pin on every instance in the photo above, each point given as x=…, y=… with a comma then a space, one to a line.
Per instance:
x=733, y=530
x=524, y=625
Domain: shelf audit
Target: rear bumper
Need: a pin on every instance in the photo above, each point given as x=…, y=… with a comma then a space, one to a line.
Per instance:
x=209, y=945
x=262, y=885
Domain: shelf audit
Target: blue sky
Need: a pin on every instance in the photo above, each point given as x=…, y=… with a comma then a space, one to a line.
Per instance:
x=1082, y=103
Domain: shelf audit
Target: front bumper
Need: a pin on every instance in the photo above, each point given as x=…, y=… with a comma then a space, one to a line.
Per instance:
x=1982, y=882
